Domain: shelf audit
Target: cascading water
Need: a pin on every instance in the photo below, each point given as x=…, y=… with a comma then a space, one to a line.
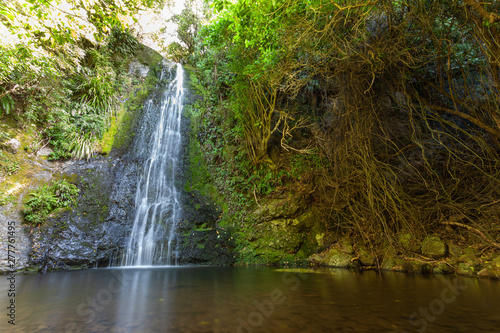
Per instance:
x=157, y=201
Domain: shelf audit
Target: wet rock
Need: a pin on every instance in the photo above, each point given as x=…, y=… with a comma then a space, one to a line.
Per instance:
x=89, y=234
x=442, y=268
x=206, y=247
x=366, y=257
x=466, y=269
x=433, y=247
x=491, y=270
x=336, y=258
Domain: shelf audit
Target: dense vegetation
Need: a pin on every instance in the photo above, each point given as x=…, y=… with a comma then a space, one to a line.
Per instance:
x=62, y=67
x=46, y=199
x=384, y=117
x=383, y=114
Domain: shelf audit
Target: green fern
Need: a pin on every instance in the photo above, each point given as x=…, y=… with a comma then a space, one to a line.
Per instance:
x=47, y=198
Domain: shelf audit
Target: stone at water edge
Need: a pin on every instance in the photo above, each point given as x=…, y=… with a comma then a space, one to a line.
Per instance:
x=365, y=256
x=492, y=269
x=337, y=258
x=454, y=250
x=433, y=247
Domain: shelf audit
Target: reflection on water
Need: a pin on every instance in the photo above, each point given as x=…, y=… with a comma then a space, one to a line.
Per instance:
x=228, y=299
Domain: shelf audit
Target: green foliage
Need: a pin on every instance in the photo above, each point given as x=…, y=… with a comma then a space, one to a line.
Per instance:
x=188, y=25
x=177, y=53
x=46, y=199
x=187, y=28
x=6, y=102
x=122, y=42
x=60, y=71
x=95, y=85
x=8, y=166
x=76, y=132
x=399, y=101
x=45, y=24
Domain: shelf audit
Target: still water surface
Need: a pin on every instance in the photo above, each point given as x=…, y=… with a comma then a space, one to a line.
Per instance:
x=239, y=299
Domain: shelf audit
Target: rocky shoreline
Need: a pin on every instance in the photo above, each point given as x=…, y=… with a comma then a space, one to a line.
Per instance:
x=431, y=256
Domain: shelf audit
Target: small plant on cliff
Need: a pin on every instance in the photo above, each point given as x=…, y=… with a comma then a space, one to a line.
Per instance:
x=47, y=198
x=8, y=166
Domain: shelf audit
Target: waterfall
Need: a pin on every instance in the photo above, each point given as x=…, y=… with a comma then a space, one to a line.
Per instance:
x=157, y=200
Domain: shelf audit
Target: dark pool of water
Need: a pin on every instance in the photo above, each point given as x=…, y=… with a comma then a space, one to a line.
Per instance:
x=238, y=299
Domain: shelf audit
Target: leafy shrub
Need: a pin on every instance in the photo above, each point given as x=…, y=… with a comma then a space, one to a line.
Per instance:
x=47, y=198
x=75, y=133
x=95, y=87
x=6, y=102
x=122, y=42
x=7, y=165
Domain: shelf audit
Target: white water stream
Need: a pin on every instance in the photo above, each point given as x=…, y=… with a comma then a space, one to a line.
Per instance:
x=152, y=241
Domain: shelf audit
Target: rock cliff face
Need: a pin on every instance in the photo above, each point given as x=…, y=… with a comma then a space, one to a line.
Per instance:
x=96, y=232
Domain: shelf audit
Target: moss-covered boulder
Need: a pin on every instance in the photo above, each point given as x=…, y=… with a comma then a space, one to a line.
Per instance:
x=206, y=247
x=269, y=209
x=366, y=257
x=442, y=268
x=408, y=242
x=275, y=240
x=491, y=269
x=466, y=269
x=454, y=250
x=337, y=258
x=433, y=247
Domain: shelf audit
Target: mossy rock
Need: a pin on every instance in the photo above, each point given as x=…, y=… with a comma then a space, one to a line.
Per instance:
x=467, y=258
x=308, y=219
x=407, y=241
x=336, y=258
x=454, y=250
x=366, y=257
x=275, y=208
x=442, y=268
x=466, y=269
x=272, y=241
x=390, y=260
x=147, y=56
x=491, y=270
x=393, y=264
x=433, y=247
